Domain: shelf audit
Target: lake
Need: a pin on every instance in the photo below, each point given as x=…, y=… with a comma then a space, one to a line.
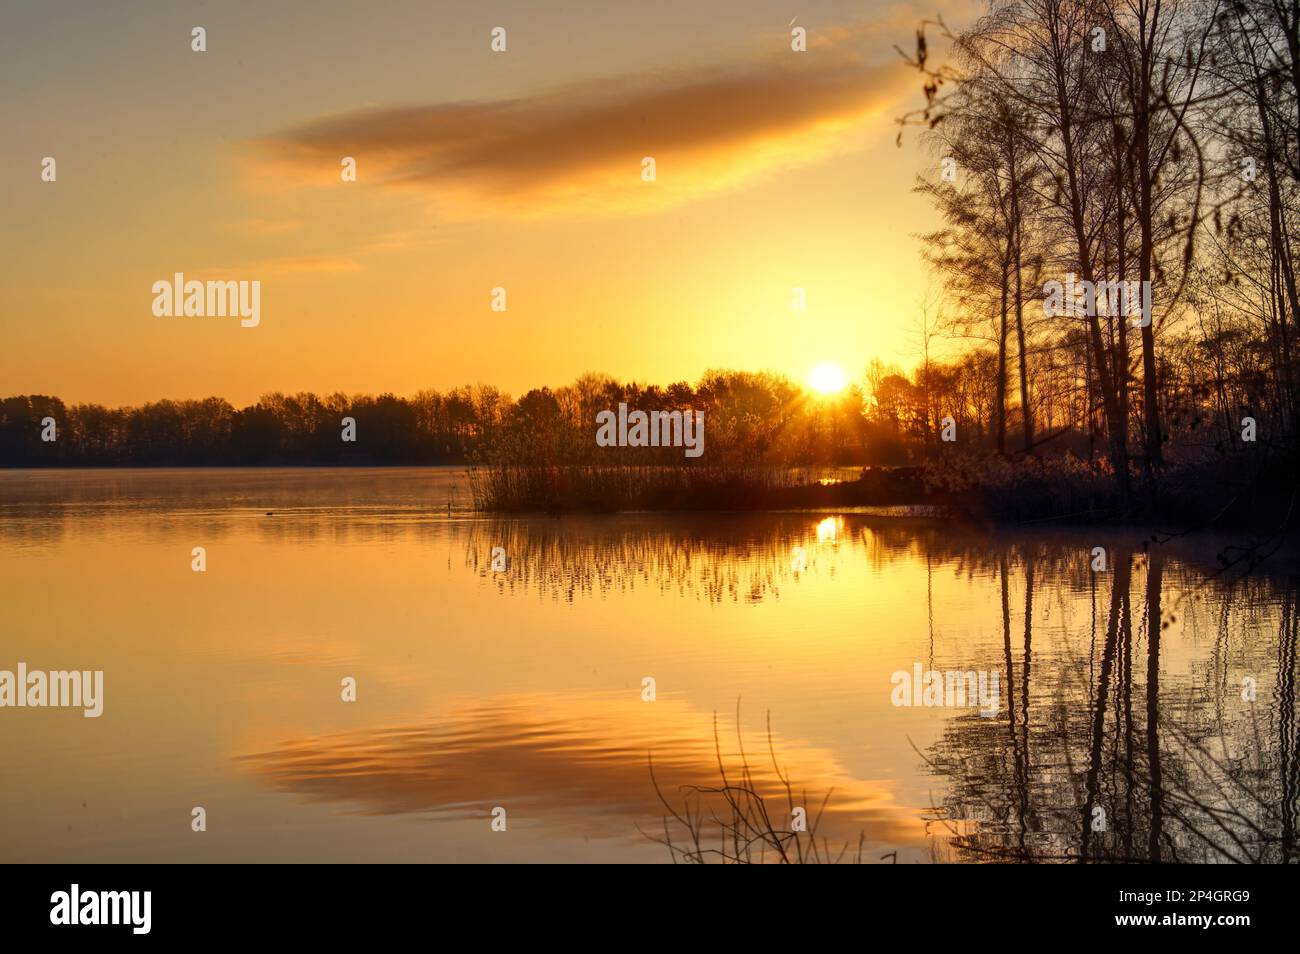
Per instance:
x=1141, y=710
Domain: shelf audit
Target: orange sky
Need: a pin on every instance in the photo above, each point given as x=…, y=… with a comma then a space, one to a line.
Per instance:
x=476, y=169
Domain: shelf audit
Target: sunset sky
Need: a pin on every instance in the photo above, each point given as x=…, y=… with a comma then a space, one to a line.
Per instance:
x=475, y=169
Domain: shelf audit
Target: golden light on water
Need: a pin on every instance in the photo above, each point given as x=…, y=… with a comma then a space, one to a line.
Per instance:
x=453, y=727
x=827, y=378
x=828, y=531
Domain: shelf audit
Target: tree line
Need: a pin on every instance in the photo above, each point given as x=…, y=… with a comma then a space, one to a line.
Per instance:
x=889, y=417
x=750, y=419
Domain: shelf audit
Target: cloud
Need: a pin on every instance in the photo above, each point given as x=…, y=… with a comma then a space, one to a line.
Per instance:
x=579, y=148
x=269, y=226
x=286, y=264
x=311, y=263
x=579, y=763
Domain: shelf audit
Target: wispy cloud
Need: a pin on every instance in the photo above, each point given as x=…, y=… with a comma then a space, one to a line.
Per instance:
x=579, y=148
x=282, y=265
x=312, y=263
x=269, y=226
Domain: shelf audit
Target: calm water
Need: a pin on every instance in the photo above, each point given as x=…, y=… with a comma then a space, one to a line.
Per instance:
x=1123, y=694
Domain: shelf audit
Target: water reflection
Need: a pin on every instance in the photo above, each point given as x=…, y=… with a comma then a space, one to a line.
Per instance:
x=577, y=765
x=1147, y=710
x=1116, y=758
x=713, y=558
x=1094, y=756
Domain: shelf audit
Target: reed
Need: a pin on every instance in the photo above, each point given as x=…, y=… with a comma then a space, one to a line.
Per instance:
x=738, y=821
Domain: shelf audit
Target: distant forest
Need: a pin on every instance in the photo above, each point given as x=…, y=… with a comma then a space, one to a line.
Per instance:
x=749, y=419
x=888, y=417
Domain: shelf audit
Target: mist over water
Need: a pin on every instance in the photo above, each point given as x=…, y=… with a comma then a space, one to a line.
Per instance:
x=1121, y=690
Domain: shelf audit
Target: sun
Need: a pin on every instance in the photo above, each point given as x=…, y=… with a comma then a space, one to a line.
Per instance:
x=827, y=378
